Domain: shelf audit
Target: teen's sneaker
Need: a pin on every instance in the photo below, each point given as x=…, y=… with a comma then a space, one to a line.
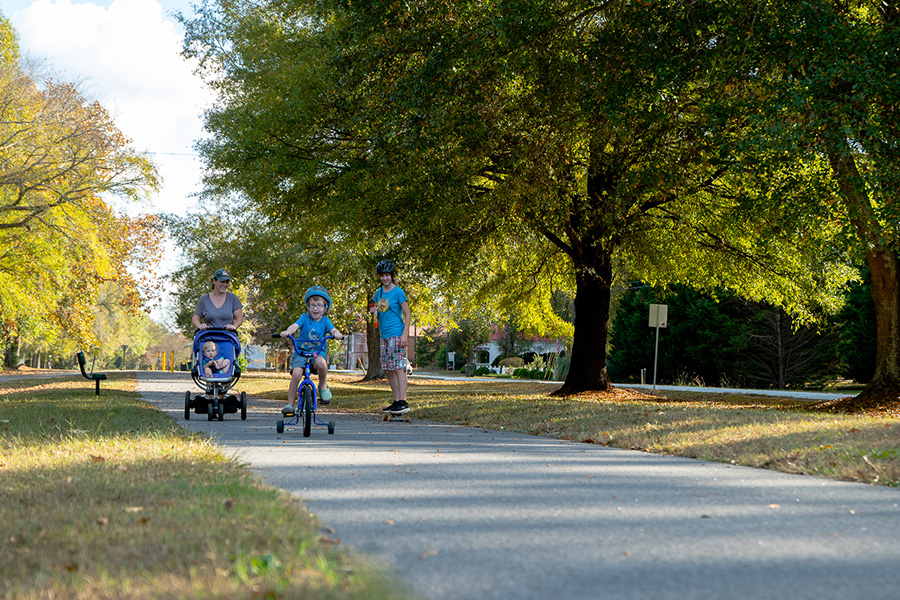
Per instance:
x=325, y=396
x=398, y=407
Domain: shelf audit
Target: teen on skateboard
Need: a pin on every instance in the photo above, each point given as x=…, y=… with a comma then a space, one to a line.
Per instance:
x=392, y=310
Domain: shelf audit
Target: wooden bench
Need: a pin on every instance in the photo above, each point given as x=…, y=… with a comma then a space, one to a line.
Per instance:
x=96, y=377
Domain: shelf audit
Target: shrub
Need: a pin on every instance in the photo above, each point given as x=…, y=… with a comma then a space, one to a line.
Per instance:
x=562, y=368
x=482, y=371
x=537, y=373
x=514, y=362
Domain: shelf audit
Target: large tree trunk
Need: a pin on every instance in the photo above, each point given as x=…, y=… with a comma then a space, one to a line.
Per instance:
x=883, y=262
x=885, y=268
x=587, y=366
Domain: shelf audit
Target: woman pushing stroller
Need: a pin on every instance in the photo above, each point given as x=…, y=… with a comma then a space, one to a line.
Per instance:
x=216, y=350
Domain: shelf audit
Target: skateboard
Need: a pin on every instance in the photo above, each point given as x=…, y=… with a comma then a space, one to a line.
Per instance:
x=396, y=416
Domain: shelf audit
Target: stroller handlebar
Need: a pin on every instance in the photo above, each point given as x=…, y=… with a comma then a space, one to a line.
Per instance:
x=196, y=331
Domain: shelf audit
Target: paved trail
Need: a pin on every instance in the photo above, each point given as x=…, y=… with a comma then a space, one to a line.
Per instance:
x=463, y=513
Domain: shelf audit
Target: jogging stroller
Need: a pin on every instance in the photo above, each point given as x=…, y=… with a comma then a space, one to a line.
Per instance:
x=214, y=402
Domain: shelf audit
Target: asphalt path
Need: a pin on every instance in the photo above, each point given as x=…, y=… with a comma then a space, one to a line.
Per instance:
x=460, y=513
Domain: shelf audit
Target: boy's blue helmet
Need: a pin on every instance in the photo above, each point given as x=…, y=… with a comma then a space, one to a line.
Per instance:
x=318, y=290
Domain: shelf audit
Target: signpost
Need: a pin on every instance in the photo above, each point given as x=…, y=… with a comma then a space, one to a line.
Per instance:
x=659, y=317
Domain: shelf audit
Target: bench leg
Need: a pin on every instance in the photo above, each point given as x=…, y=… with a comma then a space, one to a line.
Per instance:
x=97, y=391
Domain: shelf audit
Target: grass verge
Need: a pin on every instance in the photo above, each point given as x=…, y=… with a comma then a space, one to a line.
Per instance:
x=776, y=433
x=106, y=497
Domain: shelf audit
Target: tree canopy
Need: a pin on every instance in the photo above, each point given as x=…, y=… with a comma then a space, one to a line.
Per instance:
x=827, y=74
x=61, y=160
x=520, y=149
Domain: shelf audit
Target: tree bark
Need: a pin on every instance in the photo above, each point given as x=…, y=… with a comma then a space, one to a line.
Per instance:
x=11, y=358
x=883, y=263
x=587, y=368
x=373, y=345
x=779, y=349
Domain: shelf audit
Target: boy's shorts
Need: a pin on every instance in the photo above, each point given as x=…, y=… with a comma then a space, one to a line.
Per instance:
x=299, y=361
x=393, y=357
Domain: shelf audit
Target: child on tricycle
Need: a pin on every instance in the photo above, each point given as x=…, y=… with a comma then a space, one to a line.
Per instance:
x=312, y=325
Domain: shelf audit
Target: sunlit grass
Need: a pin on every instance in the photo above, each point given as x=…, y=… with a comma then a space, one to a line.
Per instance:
x=106, y=497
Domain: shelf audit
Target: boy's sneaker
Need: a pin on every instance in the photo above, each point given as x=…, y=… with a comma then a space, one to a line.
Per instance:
x=287, y=411
x=325, y=396
x=398, y=407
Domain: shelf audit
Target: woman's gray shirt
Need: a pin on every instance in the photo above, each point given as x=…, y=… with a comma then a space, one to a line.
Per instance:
x=218, y=317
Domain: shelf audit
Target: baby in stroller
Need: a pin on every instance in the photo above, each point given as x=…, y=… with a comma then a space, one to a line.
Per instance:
x=214, y=361
x=215, y=371
x=215, y=353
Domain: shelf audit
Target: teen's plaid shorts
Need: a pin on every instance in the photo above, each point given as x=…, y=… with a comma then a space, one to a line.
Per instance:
x=393, y=357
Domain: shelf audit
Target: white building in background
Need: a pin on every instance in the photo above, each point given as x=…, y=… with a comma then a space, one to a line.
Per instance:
x=491, y=349
x=255, y=355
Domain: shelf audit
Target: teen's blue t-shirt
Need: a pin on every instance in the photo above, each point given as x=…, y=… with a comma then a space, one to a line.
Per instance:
x=313, y=330
x=390, y=321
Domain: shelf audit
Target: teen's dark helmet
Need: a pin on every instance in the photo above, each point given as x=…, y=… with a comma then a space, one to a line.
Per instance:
x=385, y=266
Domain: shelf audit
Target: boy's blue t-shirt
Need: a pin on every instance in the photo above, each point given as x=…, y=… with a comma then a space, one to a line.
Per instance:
x=390, y=322
x=313, y=330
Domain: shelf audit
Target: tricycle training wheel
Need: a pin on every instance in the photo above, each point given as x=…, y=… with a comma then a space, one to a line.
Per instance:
x=331, y=427
x=279, y=426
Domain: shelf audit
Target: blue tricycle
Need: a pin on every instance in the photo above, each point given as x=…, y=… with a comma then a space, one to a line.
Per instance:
x=307, y=394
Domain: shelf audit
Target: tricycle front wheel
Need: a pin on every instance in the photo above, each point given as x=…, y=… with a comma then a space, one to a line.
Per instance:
x=306, y=410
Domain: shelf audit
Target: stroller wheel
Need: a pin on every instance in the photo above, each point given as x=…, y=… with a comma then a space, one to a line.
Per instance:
x=210, y=411
x=243, y=406
x=187, y=406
